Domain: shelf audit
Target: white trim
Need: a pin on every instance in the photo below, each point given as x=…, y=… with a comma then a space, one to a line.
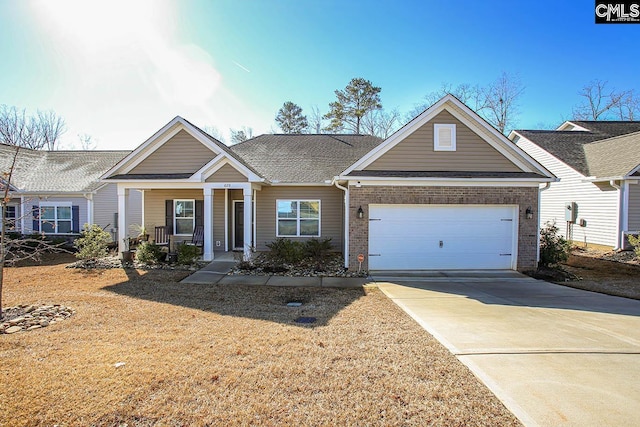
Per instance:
x=173, y=214
x=247, y=195
x=207, y=222
x=55, y=205
x=254, y=218
x=160, y=185
x=438, y=182
x=436, y=136
x=22, y=214
x=454, y=106
x=219, y=162
x=158, y=139
x=625, y=210
x=346, y=221
x=298, y=218
x=576, y=127
x=233, y=224
x=89, y=212
x=226, y=220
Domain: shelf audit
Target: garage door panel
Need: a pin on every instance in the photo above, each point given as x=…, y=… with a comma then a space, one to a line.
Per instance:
x=441, y=237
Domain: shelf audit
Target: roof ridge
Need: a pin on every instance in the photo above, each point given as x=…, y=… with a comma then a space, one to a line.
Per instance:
x=626, y=135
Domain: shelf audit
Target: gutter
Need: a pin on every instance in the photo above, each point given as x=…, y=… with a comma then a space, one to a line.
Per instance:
x=346, y=219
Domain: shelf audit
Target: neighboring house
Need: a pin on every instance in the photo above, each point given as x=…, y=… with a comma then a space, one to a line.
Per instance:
x=597, y=199
x=447, y=191
x=56, y=192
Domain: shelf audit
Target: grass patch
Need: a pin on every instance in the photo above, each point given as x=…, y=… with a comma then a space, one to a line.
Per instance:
x=226, y=355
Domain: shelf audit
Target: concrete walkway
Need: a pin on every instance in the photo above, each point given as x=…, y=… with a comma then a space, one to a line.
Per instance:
x=216, y=274
x=555, y=356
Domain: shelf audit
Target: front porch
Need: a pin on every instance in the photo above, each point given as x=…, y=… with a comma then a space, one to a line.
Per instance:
x=224, y=211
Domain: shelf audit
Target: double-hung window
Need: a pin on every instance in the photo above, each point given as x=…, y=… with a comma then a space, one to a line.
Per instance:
x=55, y=218
x=184, y=218
x=298, y=218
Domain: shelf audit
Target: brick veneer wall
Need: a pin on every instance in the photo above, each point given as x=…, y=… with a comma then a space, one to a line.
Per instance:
x=521, y=196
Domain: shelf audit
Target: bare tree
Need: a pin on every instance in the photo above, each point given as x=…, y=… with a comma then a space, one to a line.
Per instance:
x=240, y=135
x=629, y=106
x=13, y=246
x=40, y=131
x=214, y=132
x=501, y=102
x=316, y=122
x=599, y=102
x=496, y=102
x=86, y=141
x=381, y=123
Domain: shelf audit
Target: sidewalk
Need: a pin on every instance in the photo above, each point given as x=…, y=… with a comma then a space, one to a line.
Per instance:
x=216, y=274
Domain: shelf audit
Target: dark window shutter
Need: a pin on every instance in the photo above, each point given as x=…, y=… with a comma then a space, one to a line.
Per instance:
x=168, y=213
x=75, y=219
x=36, y=217
x=199, y=213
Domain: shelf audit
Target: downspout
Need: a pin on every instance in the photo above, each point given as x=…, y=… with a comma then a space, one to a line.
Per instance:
x=546, y=187
x=346, y=221
x=621, y=215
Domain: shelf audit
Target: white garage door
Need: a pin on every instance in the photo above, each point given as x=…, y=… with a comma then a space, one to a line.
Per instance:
x=439, y=237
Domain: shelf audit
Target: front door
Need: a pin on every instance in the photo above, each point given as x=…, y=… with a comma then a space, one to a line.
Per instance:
x=238, y=224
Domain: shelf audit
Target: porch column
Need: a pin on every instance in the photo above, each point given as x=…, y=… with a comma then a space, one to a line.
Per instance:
x=248, y=235
x=207, y=251
x=123, y=195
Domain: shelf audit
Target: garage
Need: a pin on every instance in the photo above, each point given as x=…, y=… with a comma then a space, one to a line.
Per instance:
x=442, y=237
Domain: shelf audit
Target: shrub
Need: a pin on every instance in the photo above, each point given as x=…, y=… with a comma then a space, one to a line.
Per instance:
x=285, y=251
x=635, y=242
x=93, y=242
x=554, y=248
x=150, y=253
x=187, y=254
x=317, y=250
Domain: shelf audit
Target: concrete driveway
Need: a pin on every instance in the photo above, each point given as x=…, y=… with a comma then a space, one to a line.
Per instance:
x=554, y=355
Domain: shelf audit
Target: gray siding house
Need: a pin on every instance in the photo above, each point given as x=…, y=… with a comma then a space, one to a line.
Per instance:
x=56, y=192
x=597, y=197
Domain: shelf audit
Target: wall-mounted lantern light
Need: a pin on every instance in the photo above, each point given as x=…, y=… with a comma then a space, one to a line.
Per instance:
x=529, y=213
x=360, y=213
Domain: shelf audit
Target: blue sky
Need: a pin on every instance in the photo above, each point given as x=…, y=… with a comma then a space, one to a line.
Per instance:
x=119, y=70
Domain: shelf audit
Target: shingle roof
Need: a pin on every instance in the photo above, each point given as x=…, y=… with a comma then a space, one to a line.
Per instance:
x=570, y=146
x=302, y=158
x=444, y=174
x=613, y=157
x=58, y=171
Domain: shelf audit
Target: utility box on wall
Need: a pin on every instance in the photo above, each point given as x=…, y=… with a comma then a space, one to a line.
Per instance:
x=570, y=212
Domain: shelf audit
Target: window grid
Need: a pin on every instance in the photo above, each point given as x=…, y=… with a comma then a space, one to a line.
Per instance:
x=297, y=218
x=55, y=218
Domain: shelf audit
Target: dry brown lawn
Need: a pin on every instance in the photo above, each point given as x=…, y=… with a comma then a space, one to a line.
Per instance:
x=604, y=276
x=215, y=355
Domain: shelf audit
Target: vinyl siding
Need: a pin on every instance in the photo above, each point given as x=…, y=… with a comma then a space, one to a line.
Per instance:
x=80, y=201
x=154, y=207
x=181, y=154
x=597, y=203
x=331, y=213
x=105, y=206
x=634, y=207
x=227, y=173
x=416, y=153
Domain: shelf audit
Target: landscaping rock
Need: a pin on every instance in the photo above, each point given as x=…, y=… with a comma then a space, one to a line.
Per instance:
x=15, y=319
x=115, y=262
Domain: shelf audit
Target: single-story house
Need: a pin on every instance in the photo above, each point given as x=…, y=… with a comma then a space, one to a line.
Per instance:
x=597, y=199
x=446, y=191
x=56, y=192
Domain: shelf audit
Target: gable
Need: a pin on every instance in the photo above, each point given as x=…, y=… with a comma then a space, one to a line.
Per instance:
x=416, y=152
x=227, y=173
x=181, y=154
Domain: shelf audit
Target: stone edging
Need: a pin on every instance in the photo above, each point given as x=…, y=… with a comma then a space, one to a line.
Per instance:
x=29, y=317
